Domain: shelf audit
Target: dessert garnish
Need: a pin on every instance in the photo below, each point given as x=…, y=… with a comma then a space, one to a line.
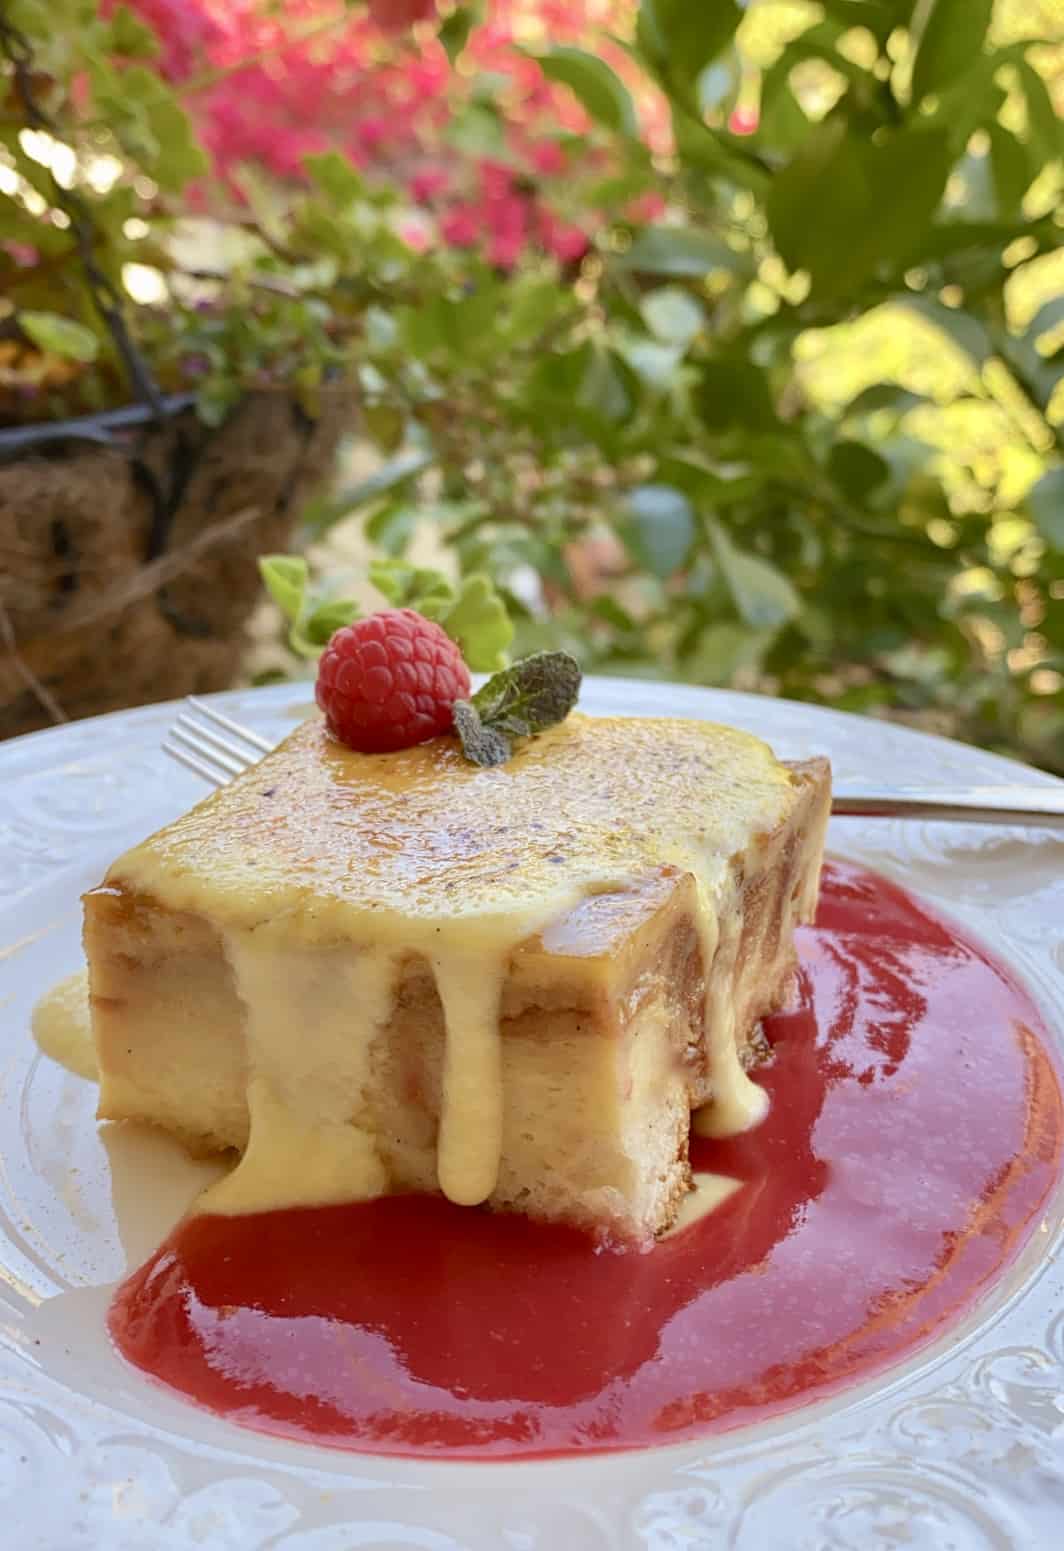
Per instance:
x=526, y=698
x=390, y=681
x=396, y=679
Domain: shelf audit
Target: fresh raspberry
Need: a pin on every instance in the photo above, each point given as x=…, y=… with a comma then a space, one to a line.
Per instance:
x=390, y=681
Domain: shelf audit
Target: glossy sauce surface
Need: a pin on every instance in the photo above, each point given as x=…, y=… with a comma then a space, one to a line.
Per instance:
x=913, y=1137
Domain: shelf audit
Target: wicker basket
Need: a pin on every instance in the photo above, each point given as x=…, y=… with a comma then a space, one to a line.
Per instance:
x=128, y=571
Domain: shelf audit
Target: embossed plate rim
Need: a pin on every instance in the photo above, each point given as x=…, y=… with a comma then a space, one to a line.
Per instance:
x=963, y=1445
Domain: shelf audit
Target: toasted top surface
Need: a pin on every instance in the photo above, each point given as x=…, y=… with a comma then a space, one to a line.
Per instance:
x=332, y=839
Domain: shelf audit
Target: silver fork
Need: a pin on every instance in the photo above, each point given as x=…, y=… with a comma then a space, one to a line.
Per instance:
x=196, y=741
x=198, y=746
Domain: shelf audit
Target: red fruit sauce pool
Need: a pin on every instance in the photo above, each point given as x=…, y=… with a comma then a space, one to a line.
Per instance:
x=913, y=1138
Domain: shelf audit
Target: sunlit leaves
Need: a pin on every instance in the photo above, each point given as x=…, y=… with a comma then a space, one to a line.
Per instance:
x=951, y=42
x=843, y=206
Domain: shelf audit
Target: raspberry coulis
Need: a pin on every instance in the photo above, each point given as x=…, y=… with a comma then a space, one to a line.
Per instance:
x=913, y=1138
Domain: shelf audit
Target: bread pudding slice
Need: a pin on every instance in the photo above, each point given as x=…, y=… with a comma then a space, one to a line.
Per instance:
x=393, y=972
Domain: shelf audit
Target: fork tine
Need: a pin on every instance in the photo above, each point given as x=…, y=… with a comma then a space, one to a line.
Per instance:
x=229, y=725
x=229, y=760
x=207, y=741
x=215, y=776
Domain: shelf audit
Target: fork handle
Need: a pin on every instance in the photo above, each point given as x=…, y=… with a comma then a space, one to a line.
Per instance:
x=1038, y=805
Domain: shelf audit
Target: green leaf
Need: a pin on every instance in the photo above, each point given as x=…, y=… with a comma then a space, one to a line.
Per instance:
x=477, y=130
x=856, y=469
x=817, y=42
x=879, y=16
x=452, y=326
x=390, y=476
x=1048, y=317
x=734, y=394
x=455, y=29
x=762, y=595
x=658, y=527
x=703, y=148
x=605, y=388
x=152, y=124
x=127, y=36
x=673, y=315
x=951, y=42
x=336, y=177
x=385, y=425
x=966, y=332
x=216, y=398
x=600, y=92
x=528, y=697
x=1038, y=376
x=33, y=17
x=408, y=586
x=392, y=526
x=479, y=622
x=724, y=649
x=654, y=364
x=321, y=624
x=59, y=336
x=285, y=577
x=844, y=205
x=680, y=250
x=885, y=395
x=814, y=205
x=1044, y=126
x=783, y=123
x=1010, y=170
x=533, y=305
x=679, y=38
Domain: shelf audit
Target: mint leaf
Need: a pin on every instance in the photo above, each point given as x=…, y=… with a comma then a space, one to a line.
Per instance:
x=532, y=695
x=483, y=745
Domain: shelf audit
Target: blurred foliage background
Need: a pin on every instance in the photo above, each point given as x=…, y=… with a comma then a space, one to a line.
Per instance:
x=721, y=342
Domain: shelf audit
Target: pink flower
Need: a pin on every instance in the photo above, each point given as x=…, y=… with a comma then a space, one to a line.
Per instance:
x=496, y=179
x=645, y=207
x=426, y=184
x=20, y=253
x=547, y=157
x=185, y=31
x=461, y=226
x=505, y=248
x=743, y=121
x=371, y=132
x=567, y=242
x=363, y=82
x=395, y=15
x=415, y=236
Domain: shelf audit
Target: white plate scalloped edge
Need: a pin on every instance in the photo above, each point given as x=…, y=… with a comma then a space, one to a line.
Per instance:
x=961, y=1449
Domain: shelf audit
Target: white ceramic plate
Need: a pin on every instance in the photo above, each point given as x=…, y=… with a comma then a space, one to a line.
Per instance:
x=960, y=1450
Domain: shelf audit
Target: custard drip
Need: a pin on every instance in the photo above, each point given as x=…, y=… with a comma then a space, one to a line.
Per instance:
x=345, y=862
x=62, y=1025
